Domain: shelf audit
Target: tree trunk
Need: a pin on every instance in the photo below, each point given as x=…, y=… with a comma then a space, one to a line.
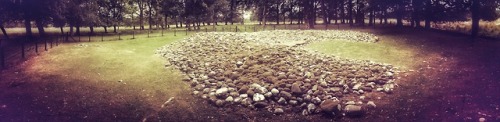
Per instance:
x=325, y=14
x=4, y=31
x=350, y=12
x=71, y=29
x=428, y=14
x=231, y=14
x=311, y=13
x=133, y=23
x=141, y=13
x=62, y=30
x=360, y=13
x=264, y=16
x=150, y=16
x=166, y=22
x=399, y=14
x=342, y=12
x=176, y=22
x=27, y=25
x=105, y=29
x=180, y=22
x=41, y=30
x=114, y=28
x=77, y=30
x=372, y=17
x=381, y=18
x=475, y=18
x=91, y=30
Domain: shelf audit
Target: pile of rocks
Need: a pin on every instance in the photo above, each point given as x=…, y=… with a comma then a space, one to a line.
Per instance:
x=260, y=70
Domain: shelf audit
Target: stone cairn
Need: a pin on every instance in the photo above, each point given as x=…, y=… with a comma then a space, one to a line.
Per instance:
x=271, y=70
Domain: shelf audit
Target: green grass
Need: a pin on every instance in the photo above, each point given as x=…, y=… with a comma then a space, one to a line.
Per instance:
x=105, y=75
x=380, y=52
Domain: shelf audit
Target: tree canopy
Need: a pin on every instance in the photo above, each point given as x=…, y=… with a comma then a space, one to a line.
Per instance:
x=192, y=13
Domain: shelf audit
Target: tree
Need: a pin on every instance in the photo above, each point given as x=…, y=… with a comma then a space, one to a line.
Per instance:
x=7, y=14
x=482, y=9
x=37, y=10
x=172, y=9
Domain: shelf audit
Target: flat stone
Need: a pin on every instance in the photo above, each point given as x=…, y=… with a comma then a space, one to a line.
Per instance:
x=357, y=86
x=371, y=104
x=243, y=89
x=222, y=92
x=279, y=111
x=353, y=110
x=330, y=106
x=286, y=94
x=293, y=102
x=296, y=88
x=219, y=103
x=243, y=95
x=268, y=94
x=260, y=104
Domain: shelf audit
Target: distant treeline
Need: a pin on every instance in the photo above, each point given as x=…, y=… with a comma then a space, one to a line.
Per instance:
x=193, y=13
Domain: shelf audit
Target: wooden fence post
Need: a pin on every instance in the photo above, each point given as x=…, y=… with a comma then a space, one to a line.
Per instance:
x=67, y=37
x=23, y=54
x=133, y=34
x=36, y=46
x=186, y=31
x=102, y=37
x=89, y=36
x=45, y=45
x=236, y=29
x=119, y=36
x=274, y=27
x=175, y=32
x=2, y=56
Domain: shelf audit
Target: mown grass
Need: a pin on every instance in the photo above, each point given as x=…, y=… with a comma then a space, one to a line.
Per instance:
x=380, y=52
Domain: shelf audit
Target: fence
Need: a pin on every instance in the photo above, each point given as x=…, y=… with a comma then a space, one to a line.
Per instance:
x=16, y=50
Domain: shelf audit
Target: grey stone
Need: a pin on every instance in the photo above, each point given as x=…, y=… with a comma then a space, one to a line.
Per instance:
x=286, y=94
x=229, y=99
x=311, y=108
x=258, y=97
x=275, y=91
x=219, y=103
x=353, y=110
x=282, y=101
x=329, y=106
x=260, y=104
x=222, y=92
x=279, y=111
x=371, y=104
x=296, y=88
